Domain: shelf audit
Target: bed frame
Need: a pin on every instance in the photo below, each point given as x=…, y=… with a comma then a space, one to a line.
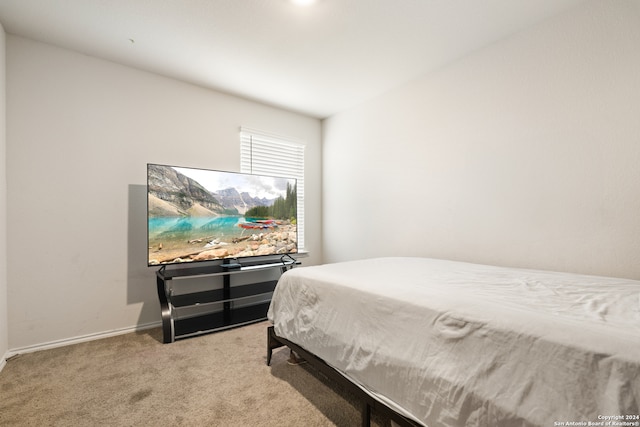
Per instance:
x=368, y=402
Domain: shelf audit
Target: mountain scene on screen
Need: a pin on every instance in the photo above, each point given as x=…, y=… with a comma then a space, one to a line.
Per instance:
x=173, y=194
x=188, y=222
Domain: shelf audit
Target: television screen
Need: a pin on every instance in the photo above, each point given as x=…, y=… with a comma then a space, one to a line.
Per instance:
x=201, y=215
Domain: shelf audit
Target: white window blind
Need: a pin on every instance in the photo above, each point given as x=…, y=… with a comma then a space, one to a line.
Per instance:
x=262, y=153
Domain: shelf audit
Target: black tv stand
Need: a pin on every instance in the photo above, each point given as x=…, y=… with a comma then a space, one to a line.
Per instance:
x=193, y=313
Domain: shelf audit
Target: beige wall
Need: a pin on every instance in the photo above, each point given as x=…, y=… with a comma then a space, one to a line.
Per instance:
x=525, y=153
x=81, y=131
x=4, y=328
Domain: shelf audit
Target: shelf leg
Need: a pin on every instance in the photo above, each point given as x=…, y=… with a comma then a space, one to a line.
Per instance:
x=165, y=311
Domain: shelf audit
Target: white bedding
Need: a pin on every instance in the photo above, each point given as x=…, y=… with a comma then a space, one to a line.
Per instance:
x=457, y=344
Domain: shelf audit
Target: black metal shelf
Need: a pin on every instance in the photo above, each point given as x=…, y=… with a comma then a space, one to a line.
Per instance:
x=188, y=314
x=217, y=295
x=220, y=270
x=213, y=322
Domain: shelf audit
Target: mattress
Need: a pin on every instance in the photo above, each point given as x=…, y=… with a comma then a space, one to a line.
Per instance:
x=448, y=343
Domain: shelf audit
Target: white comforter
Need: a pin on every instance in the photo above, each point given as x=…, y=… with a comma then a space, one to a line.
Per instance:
x=457, y=344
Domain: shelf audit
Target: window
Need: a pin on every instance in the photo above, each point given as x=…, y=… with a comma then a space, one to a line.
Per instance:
x=267, y=154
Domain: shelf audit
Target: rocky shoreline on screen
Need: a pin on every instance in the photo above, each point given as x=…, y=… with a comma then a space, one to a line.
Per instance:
x=280, y=241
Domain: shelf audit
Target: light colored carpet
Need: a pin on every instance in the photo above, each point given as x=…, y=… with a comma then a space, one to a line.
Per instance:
x=220, y=379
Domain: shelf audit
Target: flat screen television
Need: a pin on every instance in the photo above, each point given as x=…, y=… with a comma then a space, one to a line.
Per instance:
x=197, y=215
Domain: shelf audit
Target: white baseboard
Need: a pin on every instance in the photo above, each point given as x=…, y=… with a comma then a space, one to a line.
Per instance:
x=3, y=361
x=76, y=340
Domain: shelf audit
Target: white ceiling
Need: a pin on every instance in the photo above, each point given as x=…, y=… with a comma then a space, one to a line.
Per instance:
x=317, y=60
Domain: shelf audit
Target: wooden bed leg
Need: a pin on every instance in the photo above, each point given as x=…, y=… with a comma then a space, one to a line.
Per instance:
x=272, y=343
x=366, y=415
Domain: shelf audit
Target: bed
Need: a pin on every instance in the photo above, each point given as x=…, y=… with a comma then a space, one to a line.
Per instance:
x=446, y=343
